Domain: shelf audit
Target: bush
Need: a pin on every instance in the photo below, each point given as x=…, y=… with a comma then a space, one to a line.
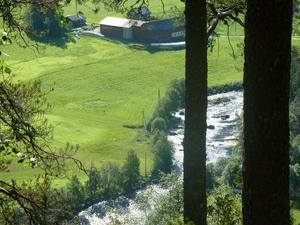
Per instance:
x=294, y=77
x=131, y=173
x=163, y=154
x=92, y=185
x=158, y=124
x=210, y=176
x=43, y=23
x=110, y=180
x=76, y=195
x=224, y=207
x=232, y=174
x=173, y=99
x=168, y=208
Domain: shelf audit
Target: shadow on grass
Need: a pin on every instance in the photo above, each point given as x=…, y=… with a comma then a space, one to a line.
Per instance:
x=58, y=41
x=151, y=49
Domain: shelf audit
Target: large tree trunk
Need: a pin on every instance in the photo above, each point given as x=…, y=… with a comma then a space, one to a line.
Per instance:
x=195, y=117
x=266, y=112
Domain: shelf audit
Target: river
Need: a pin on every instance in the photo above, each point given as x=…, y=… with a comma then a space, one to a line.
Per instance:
x=222, y=114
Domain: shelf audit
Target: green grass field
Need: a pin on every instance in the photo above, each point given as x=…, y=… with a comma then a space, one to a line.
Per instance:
x=99, y=86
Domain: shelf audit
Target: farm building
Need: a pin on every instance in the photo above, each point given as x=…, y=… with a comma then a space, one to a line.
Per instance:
x=119, y=27
x=165, y=30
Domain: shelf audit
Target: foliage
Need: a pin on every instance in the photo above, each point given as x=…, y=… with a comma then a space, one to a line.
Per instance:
x=172, y=100
x=24, y=138
x=294, y=118
x=92, y=184
x=34, y=203
x=169, y=207
x=131, y=173
x=210, y=176
x=41, y=22
x=294, y=149
x=228, y=170
x=175, y=99
x=224, y=207
x=295, y=73
x=76, y=194
x=232, y=174
x=103, y=183
x=296, y=17
x=294, y=180
x=111, y=180
x=158, y=124
x=163, y=154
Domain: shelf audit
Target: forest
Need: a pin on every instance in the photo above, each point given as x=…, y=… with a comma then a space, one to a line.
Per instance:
x=105, y=130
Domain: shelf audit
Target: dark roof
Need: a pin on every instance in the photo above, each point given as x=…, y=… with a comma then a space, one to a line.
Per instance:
x=164, y=24
x=76, y=18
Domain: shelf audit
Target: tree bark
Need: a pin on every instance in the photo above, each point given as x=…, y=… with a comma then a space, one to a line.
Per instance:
x=266, y=112
x=195, y=116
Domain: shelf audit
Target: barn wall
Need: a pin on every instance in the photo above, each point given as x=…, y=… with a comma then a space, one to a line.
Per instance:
x=173, y=35
x=116, y=32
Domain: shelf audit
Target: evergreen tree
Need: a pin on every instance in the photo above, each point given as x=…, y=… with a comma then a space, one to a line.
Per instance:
x=76, y=194
x=92, y=184
x=163, y=154
x=110, y=180
x=42, y=22
x=131, y=173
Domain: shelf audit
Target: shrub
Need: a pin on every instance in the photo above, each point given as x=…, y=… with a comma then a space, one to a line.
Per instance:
x=75, y=192
x=224, y=207
x=92, y=185
x=210, y=177
x=43, y=23
x=173, y=99
x=131, y=173
x=232, y=173
x=110, y=180
x=158, y=124
x=163, y=155
x=168, y=208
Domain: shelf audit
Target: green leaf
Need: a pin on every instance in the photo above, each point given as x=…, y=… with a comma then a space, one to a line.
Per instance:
x=21, y=160
x=15, y=150
x=7, y=70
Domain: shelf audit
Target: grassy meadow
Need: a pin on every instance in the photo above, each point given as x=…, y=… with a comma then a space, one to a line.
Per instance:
x=99, y=86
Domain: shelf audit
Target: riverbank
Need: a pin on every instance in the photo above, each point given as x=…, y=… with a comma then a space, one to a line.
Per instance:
x=219, y=144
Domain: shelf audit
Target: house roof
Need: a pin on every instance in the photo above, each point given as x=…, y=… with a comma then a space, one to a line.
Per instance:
x=121, y=22
x=163, y=24
x=76, y=18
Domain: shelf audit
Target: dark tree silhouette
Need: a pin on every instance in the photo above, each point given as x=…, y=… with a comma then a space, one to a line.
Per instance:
x=195, y=117
x=266, y=129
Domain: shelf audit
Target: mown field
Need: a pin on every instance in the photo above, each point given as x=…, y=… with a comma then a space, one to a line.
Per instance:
x=99, y=86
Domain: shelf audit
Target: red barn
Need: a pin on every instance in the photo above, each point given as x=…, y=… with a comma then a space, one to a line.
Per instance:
x=165, y=30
